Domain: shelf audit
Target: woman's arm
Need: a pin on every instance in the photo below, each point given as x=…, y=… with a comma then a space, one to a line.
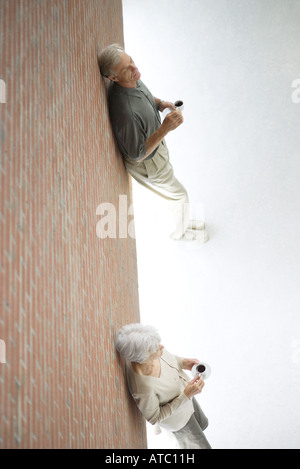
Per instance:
x=155, y=413
x=152, y=411
x=188, y=363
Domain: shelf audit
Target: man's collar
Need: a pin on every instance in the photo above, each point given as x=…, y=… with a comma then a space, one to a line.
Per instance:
x=129, y=91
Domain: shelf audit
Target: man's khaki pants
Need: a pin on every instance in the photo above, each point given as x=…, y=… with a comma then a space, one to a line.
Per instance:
x=157, y=175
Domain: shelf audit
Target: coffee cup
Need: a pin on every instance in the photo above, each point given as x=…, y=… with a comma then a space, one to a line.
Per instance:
x=201, y=368
x=179, y=105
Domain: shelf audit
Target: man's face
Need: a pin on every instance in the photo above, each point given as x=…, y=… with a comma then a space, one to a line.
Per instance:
x=126, y=73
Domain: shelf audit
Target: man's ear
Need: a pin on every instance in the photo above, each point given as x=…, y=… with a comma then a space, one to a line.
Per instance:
x=112, y=78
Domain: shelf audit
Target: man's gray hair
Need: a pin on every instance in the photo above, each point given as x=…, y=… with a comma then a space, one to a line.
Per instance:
x=135, y=342
x=108, y=58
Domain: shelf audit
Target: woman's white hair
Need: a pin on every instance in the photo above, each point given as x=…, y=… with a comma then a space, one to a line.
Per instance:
x=135, y=342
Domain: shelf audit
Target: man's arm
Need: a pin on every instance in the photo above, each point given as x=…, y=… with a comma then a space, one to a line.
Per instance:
x=173, y=120
x=162, y=105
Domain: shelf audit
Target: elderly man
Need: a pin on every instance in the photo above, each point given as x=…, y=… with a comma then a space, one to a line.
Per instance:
x=140, y=134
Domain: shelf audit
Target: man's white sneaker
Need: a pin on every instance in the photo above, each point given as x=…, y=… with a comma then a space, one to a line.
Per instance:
x=196, y=225
x=193, y=238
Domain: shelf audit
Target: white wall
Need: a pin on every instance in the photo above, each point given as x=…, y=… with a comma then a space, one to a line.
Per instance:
x=234, y=302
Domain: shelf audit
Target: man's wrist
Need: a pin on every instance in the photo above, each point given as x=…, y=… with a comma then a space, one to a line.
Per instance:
x=155, y=139
x=158, y=105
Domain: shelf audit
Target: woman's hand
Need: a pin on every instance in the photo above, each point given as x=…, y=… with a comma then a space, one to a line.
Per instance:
x=188, y=363
x=194, y=387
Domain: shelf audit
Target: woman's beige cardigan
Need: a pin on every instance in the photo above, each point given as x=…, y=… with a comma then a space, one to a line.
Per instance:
x=162, y=400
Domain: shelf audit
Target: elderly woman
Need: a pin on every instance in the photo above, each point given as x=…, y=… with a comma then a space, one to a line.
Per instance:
x=162, y=391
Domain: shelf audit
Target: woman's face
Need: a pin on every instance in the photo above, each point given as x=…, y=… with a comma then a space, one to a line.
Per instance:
x=157, y=354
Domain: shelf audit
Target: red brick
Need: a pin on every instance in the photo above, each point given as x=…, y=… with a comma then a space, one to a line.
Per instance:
x=63, y=291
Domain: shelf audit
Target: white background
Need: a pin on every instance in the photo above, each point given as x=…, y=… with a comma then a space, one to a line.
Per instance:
x=235, y=301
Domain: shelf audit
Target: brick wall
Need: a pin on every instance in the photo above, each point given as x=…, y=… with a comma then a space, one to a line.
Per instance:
x=64, y=291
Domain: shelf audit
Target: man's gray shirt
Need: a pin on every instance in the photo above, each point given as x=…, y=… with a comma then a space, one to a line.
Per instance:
x=134, y=118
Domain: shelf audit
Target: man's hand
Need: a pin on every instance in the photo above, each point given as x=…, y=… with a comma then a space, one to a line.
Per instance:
x=166, y=104
x=172, y=120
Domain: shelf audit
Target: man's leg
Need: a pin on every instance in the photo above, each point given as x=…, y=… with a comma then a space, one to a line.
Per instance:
x=157, y=175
